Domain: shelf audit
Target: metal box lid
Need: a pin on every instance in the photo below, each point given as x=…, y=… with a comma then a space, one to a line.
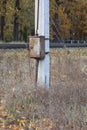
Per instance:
x=37, y=47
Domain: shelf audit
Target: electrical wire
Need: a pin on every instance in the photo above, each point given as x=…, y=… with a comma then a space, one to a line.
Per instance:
x=57, y=36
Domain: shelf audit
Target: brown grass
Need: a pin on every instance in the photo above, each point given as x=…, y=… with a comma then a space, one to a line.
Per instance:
x=66, y=101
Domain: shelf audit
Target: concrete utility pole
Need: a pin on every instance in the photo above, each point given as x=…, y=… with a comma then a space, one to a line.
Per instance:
x=42, y=29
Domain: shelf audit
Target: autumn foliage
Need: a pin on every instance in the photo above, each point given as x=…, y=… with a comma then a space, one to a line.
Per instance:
x=68, y=20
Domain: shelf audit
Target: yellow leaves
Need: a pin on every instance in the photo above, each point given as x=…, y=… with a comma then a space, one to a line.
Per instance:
x=71, y=19
x=17, y=128
x=32, y=125
x=64, y=23
x=53, y=11
x=38, y=128
x=46, y=122
x=22, y=122
x=8, y=121
x=8, y=10
x=42, y=124
x=57, y=13
x=13, y=127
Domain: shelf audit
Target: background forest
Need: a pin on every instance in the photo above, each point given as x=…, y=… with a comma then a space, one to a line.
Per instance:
x=68, y=20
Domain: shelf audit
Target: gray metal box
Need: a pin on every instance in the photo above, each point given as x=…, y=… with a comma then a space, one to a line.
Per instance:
x=37, y=47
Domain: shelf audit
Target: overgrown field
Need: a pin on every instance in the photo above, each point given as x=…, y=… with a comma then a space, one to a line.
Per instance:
x=63, y=107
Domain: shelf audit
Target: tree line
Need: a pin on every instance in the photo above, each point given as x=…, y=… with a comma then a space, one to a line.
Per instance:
x=16, y=19
x=68, y=20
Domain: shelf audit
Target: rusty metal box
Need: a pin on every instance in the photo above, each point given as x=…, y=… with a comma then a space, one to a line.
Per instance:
x=37, y=47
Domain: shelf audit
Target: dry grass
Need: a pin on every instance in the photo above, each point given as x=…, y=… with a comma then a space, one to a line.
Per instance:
x=66, y=101
x=69, y=88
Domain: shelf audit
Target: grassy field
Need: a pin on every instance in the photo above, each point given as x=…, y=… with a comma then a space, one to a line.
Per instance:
x=69, y=86
x=66, y=102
